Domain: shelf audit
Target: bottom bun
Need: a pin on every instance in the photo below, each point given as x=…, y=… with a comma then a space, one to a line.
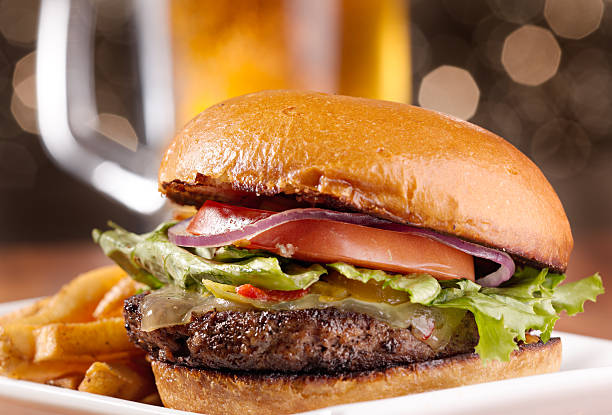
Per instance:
x=214, y=392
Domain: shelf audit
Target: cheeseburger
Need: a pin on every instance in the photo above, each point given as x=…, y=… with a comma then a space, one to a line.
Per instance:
x=344, y=249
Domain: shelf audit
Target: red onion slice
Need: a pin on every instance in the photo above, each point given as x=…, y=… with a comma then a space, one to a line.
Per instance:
x=179, y=235
x=502, y=274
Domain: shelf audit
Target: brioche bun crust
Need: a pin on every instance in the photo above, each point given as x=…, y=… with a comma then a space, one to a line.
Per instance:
x=390, y=160
x=213, y=392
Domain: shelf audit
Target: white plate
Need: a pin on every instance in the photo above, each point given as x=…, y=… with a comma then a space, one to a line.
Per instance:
x=583, y=386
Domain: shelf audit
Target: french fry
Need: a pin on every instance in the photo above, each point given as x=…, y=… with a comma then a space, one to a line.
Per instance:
x=10, y=355
x=45, y=371
x=76, y=339
x=111, y=305
x=24, y=312
x=69, y=381
x=77, y=300
x=120, y=380
x=152, y=399
x=17, y=344
x=17, y=340
x=82, y=341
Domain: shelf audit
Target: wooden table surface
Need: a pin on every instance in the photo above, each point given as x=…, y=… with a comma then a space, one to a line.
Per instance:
x=34, y=270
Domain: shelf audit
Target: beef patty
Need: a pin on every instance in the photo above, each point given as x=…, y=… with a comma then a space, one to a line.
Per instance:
x=306, y=341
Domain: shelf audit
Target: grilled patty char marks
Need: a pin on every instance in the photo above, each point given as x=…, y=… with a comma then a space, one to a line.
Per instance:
x=305, y=341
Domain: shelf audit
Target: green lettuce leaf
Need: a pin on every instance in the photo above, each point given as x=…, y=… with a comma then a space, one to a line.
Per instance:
x=232, y=254
x=118, y=245
x=531, y=299
x=154, y=255
x=572, y=296
x=422, y=288
x=500, y=319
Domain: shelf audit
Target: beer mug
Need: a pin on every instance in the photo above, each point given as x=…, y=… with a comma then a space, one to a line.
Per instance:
x=192, y=54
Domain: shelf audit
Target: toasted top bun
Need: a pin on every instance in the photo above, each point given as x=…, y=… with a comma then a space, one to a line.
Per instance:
x=390, y=160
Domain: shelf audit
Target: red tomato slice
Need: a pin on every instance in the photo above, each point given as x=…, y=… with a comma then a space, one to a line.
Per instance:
x=249, y=291
x=325, y=241
x=214, y=218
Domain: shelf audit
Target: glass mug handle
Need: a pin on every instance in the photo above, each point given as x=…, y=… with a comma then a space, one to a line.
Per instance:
x=66, y=98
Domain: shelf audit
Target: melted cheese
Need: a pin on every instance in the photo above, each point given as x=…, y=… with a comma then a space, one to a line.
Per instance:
x=171, y=305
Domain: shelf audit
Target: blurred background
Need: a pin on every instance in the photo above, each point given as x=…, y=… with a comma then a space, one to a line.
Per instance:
x=91, y=92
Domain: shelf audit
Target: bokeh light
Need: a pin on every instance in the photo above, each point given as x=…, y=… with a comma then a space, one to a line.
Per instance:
x=24, y=80
x=573, y=19
x=450, y=90
x=23, y=101
x=118, y=129
x=531, y=55
x=24, y=115
x=561, y=148
x=108, y=100
x=26, y=91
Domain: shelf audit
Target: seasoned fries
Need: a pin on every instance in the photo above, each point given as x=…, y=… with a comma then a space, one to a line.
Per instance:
x=84, y=342
x=26, y=311
x=76, y=339
x=69, y=381
x=45, y=371
x=111, y=304
x=16, y=341
x=77, y=300
x=121, y=380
